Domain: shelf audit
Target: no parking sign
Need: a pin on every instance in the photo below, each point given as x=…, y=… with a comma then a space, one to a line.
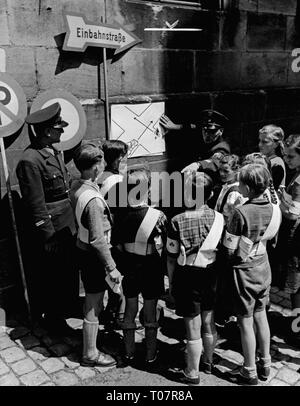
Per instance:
x=71, y=111
x=13, y=106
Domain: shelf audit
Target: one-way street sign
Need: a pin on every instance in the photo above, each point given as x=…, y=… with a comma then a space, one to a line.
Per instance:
x=81, y=34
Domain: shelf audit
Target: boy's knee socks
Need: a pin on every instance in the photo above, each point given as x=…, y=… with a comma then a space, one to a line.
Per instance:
x=193, y=354
x=90, y=332
x=209, y=343
x=150, y=341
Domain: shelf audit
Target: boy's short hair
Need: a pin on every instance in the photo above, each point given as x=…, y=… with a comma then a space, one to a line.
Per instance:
x=139, y=179
x=114, y=149
x=87, y=155
x=199, y=184
x=256, y=177
x=257, y=158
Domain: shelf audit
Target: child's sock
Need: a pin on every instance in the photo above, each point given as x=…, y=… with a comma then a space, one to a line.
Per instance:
x=90, y=332
x=265, y=361
x=209, y=343
x=249, y=372
x=193, y=354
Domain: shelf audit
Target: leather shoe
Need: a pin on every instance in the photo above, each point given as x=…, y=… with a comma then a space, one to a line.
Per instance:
x=102, y=360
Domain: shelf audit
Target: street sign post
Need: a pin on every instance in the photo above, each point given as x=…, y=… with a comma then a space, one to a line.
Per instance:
x=71, y=111
x=13, y=110
x=82, y=33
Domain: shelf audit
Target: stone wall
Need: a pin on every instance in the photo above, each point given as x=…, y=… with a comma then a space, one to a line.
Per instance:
x=239, y=64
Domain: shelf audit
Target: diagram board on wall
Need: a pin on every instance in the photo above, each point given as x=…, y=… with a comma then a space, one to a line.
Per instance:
x=138, y=126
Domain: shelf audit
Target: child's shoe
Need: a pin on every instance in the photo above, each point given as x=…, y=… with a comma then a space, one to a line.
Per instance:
x=206, y=367
x=240, y=376
x=263, y=368
x=179, y=375
x=152, y=364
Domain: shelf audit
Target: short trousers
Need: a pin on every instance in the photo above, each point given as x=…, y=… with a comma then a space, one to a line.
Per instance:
x=194, y=290
x=92, y=274
x=142, y=274
x=251, y=289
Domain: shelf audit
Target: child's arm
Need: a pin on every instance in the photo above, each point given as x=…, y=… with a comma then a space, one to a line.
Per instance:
x=232, y=236
x=290, y=204
x=94, y=219
x=173, y=250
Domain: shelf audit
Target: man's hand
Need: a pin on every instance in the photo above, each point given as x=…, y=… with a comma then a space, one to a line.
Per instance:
x=168, y=124
x=52, y=245
x=115, y=276
x=193, y=167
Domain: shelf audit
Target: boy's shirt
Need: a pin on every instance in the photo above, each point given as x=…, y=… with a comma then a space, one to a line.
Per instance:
x=129, y=221
x=251, y=221
x=189, y=229
x=97, y=220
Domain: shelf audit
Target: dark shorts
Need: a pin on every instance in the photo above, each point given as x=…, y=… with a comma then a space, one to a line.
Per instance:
x=92, y=274
x=194, y=290
x=142, y=274
x=251, y=289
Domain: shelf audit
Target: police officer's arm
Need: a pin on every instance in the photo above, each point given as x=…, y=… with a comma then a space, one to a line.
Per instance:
x=33, y=196
x=93, y=220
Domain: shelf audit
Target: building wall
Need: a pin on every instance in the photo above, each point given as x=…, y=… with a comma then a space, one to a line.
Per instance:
x=240, y=64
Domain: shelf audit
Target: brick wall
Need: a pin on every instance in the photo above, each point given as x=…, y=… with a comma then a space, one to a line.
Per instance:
x=239, y=64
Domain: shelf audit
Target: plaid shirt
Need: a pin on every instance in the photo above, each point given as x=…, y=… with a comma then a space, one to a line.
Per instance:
x=189, y=229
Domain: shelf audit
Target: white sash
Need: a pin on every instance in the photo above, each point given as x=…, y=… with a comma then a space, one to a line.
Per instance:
x=207, y=252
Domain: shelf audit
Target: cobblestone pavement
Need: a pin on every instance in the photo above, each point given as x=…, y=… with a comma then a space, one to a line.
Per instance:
x=34, y=357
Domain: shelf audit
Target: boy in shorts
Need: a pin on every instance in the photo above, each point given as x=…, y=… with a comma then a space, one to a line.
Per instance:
x=191, y=247
x=141, y=237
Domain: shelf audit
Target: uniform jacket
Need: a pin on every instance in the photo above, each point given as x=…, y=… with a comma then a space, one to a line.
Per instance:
x=44, y=182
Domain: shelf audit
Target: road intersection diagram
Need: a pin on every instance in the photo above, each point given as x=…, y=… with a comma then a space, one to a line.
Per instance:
x=138, y=126
x=71, y=111
x=81, y=34
x=13, y=106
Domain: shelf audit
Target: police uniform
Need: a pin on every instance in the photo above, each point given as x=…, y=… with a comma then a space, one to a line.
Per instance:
x=44, y=183
x=213, y=120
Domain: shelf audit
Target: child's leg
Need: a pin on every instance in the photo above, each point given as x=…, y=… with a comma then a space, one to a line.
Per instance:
x=194, y=345
x=263, y=333
x=209, y=336
x=263, y=337
x=129, y=325
x=151, y=326
x=248, y=340
x=92, y=306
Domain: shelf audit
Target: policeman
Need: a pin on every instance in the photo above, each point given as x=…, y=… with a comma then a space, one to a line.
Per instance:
x=49, y=242
x=211, y=145
x=212, y=124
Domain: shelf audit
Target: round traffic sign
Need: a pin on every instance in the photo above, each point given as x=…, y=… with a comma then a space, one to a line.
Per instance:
x=71, y=111
x=13, y=106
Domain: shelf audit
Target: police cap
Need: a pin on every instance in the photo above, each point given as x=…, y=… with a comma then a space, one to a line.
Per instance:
x=47, y=117
x=212, y=118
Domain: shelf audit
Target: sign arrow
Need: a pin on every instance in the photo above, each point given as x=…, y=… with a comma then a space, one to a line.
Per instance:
x=82, y=33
